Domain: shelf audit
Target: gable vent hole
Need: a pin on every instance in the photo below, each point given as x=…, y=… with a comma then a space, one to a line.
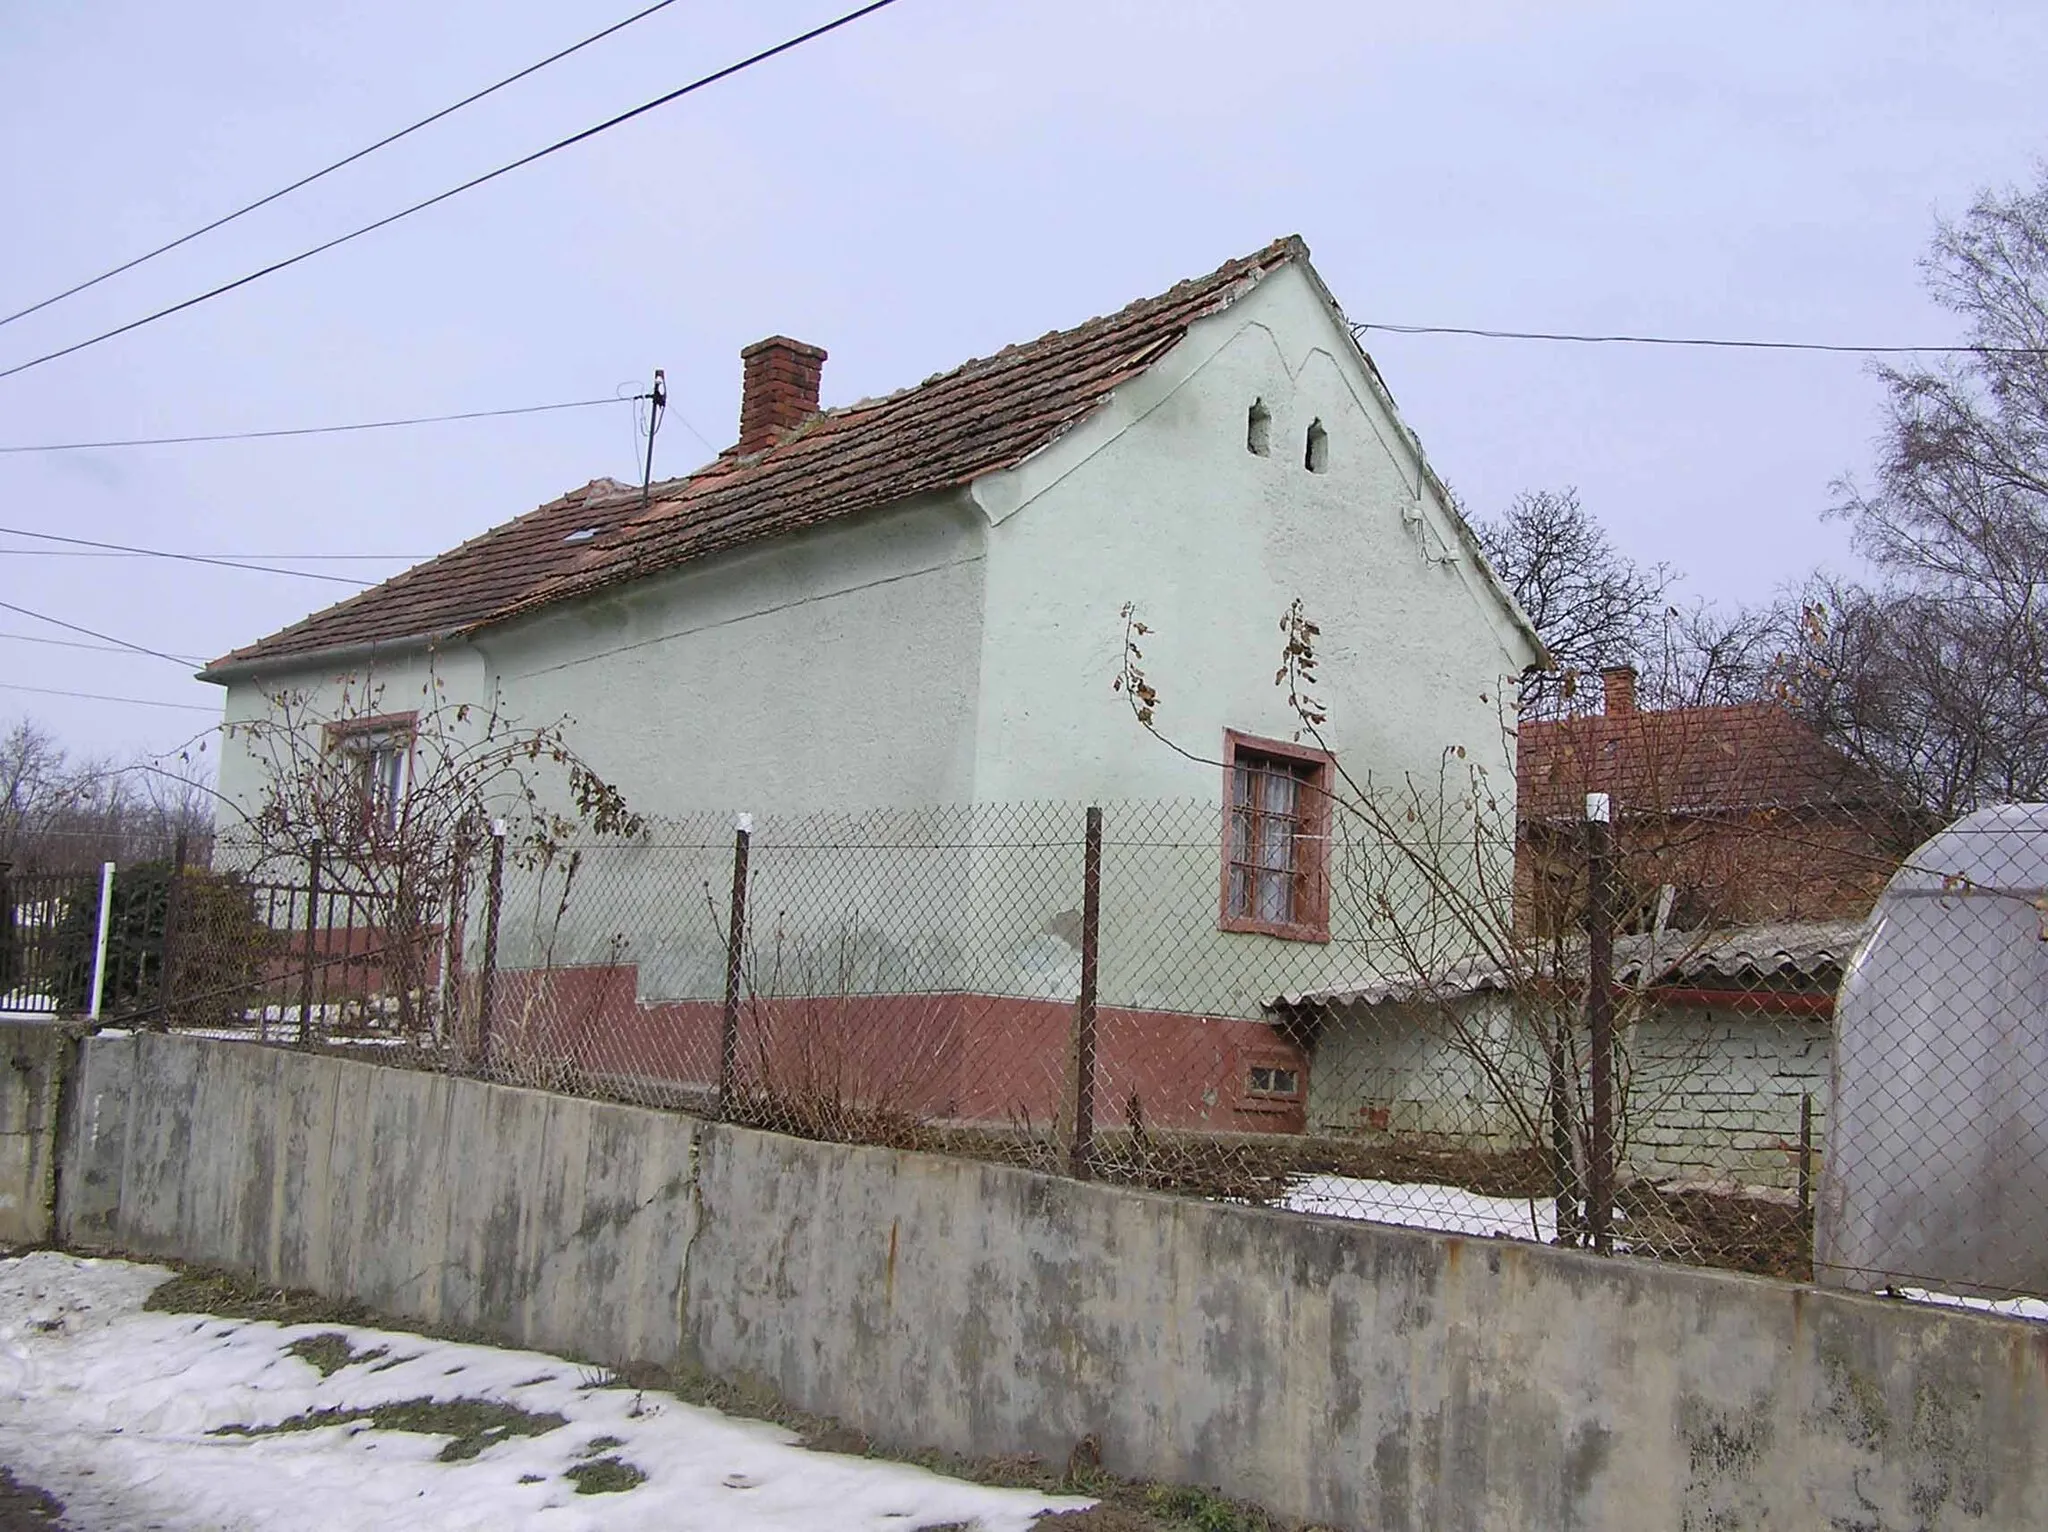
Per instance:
x=1315, y=456
x=1258, y=430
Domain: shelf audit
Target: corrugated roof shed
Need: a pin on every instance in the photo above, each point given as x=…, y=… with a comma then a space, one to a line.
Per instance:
x=1809, y=951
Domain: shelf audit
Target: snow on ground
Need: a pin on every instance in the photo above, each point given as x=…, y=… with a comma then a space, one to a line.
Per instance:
x=2011, y=1308
x=1446, y=1209
x=115, y=1410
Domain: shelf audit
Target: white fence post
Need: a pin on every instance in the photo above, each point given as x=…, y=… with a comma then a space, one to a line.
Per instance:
x=99, y=951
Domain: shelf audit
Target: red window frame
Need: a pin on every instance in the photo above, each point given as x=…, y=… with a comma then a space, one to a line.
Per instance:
x=399, y=726
x=1307, y=827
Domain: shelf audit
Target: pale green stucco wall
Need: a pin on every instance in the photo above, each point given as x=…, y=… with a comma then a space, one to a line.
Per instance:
x=334, y=692
x=834, y=668
x=1156, y=500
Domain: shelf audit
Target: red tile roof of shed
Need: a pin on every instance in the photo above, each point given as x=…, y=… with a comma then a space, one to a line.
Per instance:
x=983, y=416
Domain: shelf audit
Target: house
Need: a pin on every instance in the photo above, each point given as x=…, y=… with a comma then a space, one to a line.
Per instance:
x=1723, y=815
x=1747, y=855
x=913, y=604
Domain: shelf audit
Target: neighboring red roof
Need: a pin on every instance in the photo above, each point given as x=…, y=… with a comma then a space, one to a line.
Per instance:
x=981, y=417
x=1682, y=760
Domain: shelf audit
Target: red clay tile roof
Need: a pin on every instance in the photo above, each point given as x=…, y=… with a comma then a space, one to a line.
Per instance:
x=983, y=416
x=1681, y=760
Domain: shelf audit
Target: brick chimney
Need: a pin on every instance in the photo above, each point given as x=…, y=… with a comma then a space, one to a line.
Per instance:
x=778, y=391
x=1618, y=690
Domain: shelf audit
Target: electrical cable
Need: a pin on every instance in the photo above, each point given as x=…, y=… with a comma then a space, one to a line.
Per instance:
x=358, y=425
x=539, y=154
x=189, y=558
x=304, y=181
x=1360, y=329
x=52, y=691
x=282, y=558
x=182, y=661
x=63, y=643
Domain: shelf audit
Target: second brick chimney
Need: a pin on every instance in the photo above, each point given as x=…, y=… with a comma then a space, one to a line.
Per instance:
x=778, y=391
x=1617, y=690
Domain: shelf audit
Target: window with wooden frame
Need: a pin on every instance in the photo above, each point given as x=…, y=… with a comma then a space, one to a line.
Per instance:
x=1276, y=838
x=376, y=759
x=1282, y=1080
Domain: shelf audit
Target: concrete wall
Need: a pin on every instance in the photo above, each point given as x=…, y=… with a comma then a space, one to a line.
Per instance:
x=1358, y=1375
x=32, y=1063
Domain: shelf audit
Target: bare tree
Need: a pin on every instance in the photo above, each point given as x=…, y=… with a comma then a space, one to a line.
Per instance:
x=1937, y=674
x=399, y=814
x=1711, y=654
x=1591, y=604
x=61, y=813
x=32, y=787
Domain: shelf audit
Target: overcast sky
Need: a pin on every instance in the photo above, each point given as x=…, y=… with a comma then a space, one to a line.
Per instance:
x=926, y=186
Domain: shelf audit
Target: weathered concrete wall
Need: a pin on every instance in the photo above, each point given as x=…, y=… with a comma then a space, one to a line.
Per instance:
x=559, y=1222
x=1357, y=1375
x=32, y=1060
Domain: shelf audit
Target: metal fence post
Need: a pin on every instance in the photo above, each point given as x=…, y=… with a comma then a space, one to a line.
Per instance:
x=1083, y=1153
x=487, y=981
x=1805, y=1156
x=10, y=958
x=1600, y=1020
x=312, y=922
x=735, y=947
x=99, y=951
x=167, y=961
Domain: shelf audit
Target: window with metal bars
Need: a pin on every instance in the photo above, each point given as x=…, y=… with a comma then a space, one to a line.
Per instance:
x=1276, y=839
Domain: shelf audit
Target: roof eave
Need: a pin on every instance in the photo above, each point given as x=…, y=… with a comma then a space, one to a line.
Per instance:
x=227, y=671
x=1540, y=652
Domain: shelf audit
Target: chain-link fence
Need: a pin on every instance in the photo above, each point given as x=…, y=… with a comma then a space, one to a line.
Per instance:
x=1603, y=1032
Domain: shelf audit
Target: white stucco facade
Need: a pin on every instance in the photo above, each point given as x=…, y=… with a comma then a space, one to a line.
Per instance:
x=960, y=648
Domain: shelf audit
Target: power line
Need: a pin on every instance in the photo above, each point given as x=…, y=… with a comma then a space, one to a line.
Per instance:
x=52, y=691
x=282, y=558
x=65, y=643
x=1696, y=340
x=105, y=638
x=327, y=170
x=539, y=154
x=189, y=558
x=359, y=425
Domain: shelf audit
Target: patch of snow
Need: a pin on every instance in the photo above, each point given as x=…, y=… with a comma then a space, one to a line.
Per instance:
x=111, y=1409
x=2011, y=1308
x=1445, y=1209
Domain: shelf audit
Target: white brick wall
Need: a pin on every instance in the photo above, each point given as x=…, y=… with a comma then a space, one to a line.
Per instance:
x=1712, y=1094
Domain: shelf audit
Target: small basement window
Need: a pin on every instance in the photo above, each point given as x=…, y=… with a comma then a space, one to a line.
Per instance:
x=1271, y=1080
x=1315, y=455
x=1258, y=430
